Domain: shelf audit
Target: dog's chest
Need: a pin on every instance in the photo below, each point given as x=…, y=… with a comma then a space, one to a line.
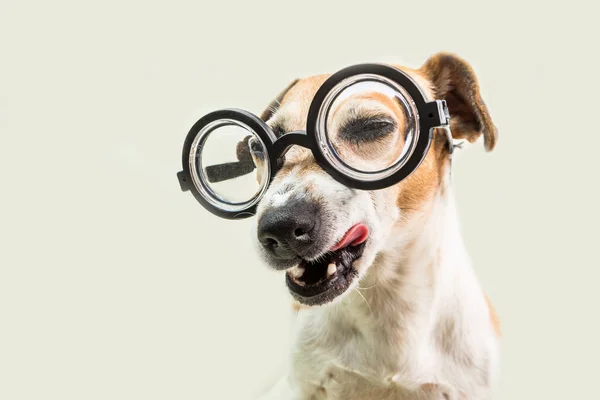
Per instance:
x=344, y=360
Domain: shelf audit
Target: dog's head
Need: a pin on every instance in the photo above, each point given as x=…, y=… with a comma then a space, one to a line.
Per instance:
x=327, y=235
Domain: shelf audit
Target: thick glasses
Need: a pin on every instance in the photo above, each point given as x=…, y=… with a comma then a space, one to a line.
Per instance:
x=369, y=126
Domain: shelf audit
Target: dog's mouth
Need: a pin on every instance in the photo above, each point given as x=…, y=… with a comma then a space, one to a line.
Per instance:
x=316, y=282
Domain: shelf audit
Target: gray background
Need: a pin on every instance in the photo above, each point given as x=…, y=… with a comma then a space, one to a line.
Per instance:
x=114, y=284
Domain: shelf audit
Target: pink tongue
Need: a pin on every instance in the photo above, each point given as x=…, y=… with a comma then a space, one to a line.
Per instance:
x=355, y=236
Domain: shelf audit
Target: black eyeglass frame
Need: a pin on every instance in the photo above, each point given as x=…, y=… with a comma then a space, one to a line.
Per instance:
x=431, y=115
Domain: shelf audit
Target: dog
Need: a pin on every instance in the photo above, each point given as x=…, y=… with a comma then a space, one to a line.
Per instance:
x=403, y=315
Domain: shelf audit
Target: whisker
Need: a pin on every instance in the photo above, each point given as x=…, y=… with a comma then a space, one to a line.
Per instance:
x=365, y=288
x=366, y=302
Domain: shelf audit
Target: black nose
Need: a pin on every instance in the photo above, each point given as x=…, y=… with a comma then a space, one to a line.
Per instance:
x=287, y=231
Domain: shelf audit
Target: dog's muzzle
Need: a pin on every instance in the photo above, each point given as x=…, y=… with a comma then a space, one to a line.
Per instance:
x=293, y=238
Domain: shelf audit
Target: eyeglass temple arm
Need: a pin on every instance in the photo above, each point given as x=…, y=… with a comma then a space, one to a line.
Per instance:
x=231, y=170
x=223, y=172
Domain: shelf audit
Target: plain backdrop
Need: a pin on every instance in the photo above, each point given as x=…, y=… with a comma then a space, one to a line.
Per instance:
x=116, y=285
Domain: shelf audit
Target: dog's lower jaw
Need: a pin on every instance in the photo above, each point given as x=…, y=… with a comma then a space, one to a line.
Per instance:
x=406, y=327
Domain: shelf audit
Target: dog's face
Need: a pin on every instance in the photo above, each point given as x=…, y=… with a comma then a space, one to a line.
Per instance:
x=327, y=235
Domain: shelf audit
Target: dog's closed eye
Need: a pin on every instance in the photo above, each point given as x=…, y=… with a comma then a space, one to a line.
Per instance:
x=366, y=129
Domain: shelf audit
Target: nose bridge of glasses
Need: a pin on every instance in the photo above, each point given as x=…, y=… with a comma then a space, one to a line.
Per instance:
x=283, y=143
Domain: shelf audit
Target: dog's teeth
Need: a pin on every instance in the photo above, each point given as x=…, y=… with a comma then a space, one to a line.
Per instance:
x=331, y=268
x=297, y=272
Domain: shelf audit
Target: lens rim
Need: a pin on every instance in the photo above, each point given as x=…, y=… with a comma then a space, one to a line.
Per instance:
x=191, y=179
x=328, y=149
x=199, y=177
x=428, y=118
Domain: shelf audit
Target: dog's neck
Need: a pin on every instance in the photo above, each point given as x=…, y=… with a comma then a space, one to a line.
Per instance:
x=422, y=253
x=409, y=291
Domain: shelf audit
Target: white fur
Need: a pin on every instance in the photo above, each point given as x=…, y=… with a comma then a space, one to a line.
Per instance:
x=381, y=342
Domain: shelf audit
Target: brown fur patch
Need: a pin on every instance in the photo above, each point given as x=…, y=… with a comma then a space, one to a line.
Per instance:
x=454, y=80
x=272, y=107
x=446, y=76
x=494, y=317
x=418, y=187
x=305, y=89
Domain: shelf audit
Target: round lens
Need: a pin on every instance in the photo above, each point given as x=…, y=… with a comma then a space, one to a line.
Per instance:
x=367, y=127
x=229, y=165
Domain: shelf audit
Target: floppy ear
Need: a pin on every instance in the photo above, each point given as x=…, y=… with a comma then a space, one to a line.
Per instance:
x=274, y=105
x=453, y=80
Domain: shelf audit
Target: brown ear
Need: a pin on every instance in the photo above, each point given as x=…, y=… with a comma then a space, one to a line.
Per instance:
x=454, y=81
x=274, y=105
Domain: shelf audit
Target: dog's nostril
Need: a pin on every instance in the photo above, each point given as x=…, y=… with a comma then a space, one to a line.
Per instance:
x=272, y=243
x=300, y=231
